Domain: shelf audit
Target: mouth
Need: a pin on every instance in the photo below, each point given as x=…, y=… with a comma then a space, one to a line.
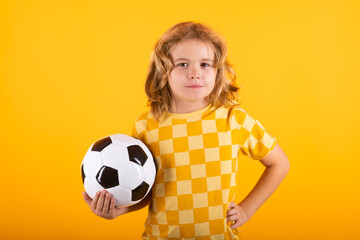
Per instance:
x=194, y=86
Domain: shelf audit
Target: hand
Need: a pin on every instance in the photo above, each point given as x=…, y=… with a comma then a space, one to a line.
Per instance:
x=103, y=205
x=236, y=214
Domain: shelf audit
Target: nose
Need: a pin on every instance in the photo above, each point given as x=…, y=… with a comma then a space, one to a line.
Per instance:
x=194, y=74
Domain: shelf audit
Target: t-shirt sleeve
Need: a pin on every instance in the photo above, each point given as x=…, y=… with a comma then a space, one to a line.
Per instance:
x=139, y=127
x=256, y=141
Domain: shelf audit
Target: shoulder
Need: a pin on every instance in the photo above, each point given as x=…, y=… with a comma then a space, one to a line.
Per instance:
x=139, y=125
x=240, y=114
x=140, y=121
x=237, y=116
x=145, y=121
x=234, y=112
x=143, y=116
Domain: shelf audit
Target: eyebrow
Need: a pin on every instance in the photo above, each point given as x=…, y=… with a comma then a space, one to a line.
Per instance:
x=204, y=59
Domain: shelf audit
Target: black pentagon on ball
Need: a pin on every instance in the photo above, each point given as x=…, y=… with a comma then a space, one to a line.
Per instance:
x=82, y=172
x=107, y=177
x=139, y=192
x=101, y=144
x=137, y=154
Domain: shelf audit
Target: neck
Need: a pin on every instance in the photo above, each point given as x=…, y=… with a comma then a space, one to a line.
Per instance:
x=187, y=107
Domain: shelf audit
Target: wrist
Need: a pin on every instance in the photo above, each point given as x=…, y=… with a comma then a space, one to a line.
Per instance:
x=246, y=209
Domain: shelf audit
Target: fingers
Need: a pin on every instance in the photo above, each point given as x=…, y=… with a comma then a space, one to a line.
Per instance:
x=103, y=204
x=231, y=212
x=234, y=218
x=100, y=203
x=105, y=209
x=112, y=205
x=95, y=201
x=232, y=204
x=236, y=215
x=236, y=224
x=233, y=215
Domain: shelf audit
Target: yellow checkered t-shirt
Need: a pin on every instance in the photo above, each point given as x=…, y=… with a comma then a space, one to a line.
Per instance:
x=197, y=158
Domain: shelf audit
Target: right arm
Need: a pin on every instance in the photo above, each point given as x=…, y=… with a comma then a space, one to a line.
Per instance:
x=104, y=206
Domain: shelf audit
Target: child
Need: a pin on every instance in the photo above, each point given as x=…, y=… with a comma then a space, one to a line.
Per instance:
x=196, y=130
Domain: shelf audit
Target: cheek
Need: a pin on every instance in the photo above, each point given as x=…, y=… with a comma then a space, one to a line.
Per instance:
x=173, y=83
x=211, y=80
x=211, y=87
x=176, y=78
x=173, y=76
x=178, y=75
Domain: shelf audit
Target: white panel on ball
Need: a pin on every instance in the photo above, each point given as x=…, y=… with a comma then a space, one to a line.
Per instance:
x=115, y=155
x=92, y=163
x=150, y=171
x=122, y=139
x=121, y=195
x=92, y=186
x=131, y=175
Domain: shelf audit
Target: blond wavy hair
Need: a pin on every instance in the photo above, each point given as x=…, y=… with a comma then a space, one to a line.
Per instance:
x=157, y=88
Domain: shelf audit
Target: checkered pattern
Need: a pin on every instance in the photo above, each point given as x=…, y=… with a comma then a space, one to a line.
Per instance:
x=197, y=159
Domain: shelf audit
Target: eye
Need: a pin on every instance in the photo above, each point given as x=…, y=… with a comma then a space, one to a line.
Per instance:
x=206, y=65
x=182, y=64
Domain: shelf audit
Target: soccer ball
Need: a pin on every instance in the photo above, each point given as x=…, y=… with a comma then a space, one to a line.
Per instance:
x=122, y=165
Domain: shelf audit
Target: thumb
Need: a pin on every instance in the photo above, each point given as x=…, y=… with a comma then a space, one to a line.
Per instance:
x=87, y=199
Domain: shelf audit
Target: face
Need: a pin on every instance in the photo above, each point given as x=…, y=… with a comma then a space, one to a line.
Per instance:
x=193, y=76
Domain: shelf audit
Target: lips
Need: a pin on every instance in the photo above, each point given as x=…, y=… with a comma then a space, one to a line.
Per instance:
x=194, y=86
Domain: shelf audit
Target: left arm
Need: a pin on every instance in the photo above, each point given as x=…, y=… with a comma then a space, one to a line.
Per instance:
x=277, y=166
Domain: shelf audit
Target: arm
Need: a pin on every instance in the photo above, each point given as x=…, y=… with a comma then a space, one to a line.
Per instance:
x=104, y=206
x=277, y=166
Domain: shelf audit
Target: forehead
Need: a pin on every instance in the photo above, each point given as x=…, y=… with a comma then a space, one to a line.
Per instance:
x=192, y=49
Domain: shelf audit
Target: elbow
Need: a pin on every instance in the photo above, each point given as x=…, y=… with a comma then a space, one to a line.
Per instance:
x=285, y=165
x=282, y=166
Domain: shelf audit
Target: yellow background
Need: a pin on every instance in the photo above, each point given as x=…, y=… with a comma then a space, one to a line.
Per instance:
x=74, y=71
